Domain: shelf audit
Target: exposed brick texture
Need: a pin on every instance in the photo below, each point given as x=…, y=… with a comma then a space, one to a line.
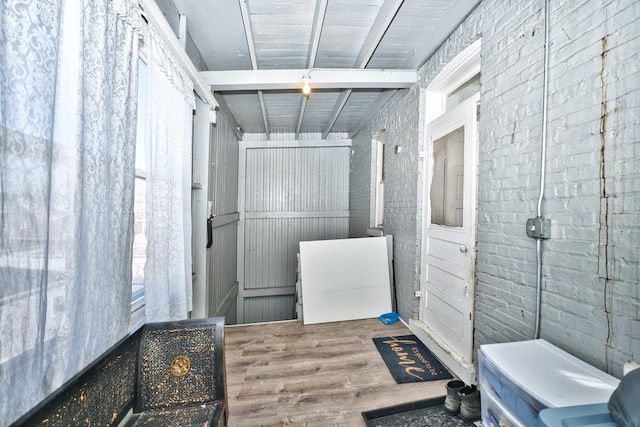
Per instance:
x=399, y=119
x=591, y=263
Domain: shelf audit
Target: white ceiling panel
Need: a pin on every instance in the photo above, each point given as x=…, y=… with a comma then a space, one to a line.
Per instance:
x=346, y=26
x=281, y=32
x=213, y=26
x=282, y=110
x=299, y=34
x=245, y=108
x=318, y=110
x=356, y=106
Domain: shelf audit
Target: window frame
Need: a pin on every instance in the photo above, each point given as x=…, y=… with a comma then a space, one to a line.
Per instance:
x=376, y=194
x=137, y=286
x=378, y=213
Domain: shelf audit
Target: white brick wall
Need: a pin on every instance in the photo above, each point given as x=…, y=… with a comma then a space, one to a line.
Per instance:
x=590, y=264
x=590, y=301
x=360, y=186
x=399, y=119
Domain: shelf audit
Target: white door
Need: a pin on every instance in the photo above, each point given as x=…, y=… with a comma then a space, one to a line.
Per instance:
x=449, y=232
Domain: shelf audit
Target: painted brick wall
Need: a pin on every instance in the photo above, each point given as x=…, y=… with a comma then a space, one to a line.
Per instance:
x=591, y=263
x=399, y=119
x=509, y=163
x=361, y=185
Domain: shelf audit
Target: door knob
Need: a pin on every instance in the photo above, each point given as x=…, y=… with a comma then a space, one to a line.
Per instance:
x=463, y=249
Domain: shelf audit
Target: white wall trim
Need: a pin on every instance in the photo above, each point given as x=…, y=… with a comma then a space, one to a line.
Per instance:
x=459, y=70
x=242, y=174
x=201, y=144
x=463, y=370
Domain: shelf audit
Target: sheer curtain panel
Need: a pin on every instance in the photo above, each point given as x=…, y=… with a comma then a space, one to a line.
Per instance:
x=68, y=79
x=167, y=272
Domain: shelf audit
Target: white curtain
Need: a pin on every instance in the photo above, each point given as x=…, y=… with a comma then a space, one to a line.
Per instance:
x=167, y=272
x=68, y=79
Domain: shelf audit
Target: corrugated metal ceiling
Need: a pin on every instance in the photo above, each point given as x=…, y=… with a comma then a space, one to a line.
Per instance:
x=305, y=34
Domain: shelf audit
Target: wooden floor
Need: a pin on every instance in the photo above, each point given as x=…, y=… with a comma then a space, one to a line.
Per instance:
x=291, y=374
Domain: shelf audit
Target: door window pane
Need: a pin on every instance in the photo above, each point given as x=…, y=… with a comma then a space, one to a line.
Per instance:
x=462, y=93
x=447, y=182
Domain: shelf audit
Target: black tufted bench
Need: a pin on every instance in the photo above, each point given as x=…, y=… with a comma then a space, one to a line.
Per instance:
x=163, y=374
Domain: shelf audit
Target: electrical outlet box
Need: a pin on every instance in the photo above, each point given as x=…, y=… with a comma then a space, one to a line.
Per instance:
x=539, y=228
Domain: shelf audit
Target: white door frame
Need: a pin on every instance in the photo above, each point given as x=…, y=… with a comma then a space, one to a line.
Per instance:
x=459, y=70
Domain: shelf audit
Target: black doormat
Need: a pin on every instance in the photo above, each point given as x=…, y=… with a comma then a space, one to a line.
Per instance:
x=409, y=361
x=424, y=413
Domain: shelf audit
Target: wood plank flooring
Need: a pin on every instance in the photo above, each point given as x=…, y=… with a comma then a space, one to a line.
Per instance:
x=291, y=374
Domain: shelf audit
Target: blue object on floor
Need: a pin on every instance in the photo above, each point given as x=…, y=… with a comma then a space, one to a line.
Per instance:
x=389, y=318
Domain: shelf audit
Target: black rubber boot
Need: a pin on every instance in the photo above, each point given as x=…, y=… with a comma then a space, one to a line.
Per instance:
x=452, y=401
x=469, y=403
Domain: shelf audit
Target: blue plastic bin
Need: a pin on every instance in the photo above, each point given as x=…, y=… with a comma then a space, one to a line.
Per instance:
x=594, y=415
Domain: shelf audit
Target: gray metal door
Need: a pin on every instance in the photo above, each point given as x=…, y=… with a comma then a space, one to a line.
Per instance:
x=289, y=191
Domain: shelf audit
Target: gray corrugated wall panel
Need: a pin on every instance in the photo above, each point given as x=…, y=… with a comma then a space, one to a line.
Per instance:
x=297, y=179
x=292, y=193
x=223, y=166
x=222, y=257
x=271, y=247
x=268, y=308
x=231, y=316
x=222, y=264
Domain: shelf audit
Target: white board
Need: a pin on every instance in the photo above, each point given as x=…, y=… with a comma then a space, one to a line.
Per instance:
x=344, y=279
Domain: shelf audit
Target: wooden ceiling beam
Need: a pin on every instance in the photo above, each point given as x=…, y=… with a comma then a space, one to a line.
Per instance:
x=320, y=78
x=337, y=109
x=316, y=32
x=264, y=112
x=246, y=21
x=380, y=26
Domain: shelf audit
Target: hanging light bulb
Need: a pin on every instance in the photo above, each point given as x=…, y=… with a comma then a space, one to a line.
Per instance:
x=306, y=89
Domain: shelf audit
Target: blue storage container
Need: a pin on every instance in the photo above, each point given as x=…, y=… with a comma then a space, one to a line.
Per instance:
x=520, y=379
x=595, y=415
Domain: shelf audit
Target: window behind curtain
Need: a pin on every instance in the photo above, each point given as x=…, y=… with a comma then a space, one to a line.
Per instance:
x=67, y=131
x=140, y=239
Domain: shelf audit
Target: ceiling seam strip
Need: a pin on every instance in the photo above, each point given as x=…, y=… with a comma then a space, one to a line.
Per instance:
x=264, y=112
x=303, y=106
x=246, y=21
x=380, y=26
x=316, y=32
